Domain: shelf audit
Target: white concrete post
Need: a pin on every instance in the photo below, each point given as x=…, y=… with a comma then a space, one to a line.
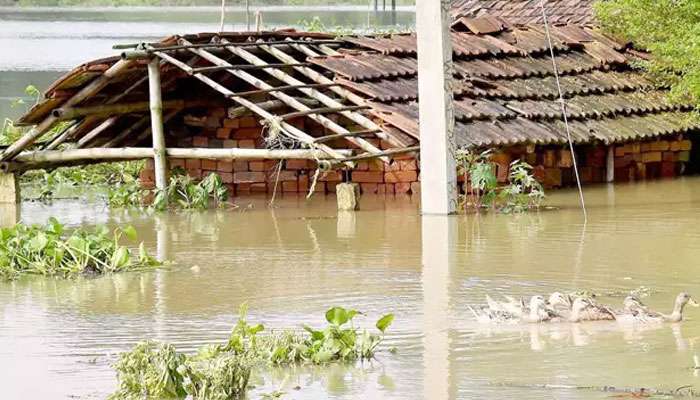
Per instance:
x=437, y=145
x=9, y=188
x=156, y=105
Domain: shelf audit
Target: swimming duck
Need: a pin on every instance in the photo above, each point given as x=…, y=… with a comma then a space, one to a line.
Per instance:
x=538, y=311
x=640, y=313
x=487, y=315
x=584, y=309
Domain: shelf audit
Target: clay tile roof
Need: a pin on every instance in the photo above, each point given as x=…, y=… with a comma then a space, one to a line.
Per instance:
x=522, y=12
x=505, y=90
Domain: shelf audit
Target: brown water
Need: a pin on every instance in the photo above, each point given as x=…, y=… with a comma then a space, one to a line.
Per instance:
x=290, y=263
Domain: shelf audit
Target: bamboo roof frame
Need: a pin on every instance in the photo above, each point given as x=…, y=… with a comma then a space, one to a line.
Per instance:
x=90, y=122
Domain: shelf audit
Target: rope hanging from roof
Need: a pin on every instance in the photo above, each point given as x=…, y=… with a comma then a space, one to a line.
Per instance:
x=563, y=110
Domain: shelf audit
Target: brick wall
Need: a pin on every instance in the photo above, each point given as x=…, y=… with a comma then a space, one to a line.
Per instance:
x=553, y=165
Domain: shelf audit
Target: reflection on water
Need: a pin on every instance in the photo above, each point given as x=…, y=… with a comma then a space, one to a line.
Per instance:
x=295, y=260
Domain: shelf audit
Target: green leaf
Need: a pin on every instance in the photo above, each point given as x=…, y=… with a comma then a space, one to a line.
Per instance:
x=337, y=316
x=130, y=232
x=384, y=322
x=120, y=258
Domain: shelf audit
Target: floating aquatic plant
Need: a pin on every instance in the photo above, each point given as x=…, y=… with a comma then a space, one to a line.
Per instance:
x=50, y=250
x=222, y=371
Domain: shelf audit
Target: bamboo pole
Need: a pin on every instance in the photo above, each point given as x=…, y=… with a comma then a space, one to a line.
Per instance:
x=97, y=131
x=159, y=157
x=108, y=110
x=92, y=88
x=137, y=153
x=270, y=105
x=120, y=137
x=315, y=94
x=291, y=129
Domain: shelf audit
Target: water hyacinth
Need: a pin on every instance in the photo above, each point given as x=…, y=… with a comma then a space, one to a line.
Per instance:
x=222, y=371
x=49, y=250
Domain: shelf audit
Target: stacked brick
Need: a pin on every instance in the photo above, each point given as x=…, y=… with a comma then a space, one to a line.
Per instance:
x=553, y=166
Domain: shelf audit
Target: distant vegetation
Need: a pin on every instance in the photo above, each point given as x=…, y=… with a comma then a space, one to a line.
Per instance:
x=118, y=3
x=670, y=30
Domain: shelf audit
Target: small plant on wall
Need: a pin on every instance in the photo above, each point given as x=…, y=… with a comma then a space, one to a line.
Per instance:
x=481, y=190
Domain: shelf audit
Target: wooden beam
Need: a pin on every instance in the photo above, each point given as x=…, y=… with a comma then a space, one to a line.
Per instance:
x=93, y=87
x=158, y=131
x=136, y=153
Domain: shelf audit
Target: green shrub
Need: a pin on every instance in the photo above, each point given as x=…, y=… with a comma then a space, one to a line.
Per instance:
x=49, y=250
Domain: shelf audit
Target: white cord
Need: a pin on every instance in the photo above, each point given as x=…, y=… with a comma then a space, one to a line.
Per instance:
x=563, y=109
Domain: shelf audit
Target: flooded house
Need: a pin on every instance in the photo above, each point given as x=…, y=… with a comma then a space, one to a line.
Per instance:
x=322, y=110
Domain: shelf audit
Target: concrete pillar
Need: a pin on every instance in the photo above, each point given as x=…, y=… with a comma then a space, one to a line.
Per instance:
x=9, y=188
x=438, y=235
x=348, y=195
x=437, y=145
x=610, y=165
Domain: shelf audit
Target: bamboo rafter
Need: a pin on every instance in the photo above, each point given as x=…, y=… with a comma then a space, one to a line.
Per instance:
x=312, y=93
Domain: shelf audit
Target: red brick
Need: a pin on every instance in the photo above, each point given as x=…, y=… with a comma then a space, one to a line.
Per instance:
x=549, y=158
x=297, y=164
x=290, y=186
x=367, y=176
x=389, y=188
x=401, y=176
x=218, y=112
x=246, y=144
x=331, y=176
x=394, y=166
x=242, y=188
x=415, y=188
x=378, y=165
x=661, y=145
x=194, y=173
x=368, y=188
x=256, y=165
x=248, y=122
x=284, y=175
x=362, y=166
x=200, y=141
x=193, y=164
x=686, y=145
x=239, y=165
x=668, y=169
x=652, y=156
x=248, y=177
x=212, y=122
x=224, y=166
x=223, y=133
x=668, y=156
x=320, y=187
x=258, y=188
x=247, y=133
x=402, y=188
x=408, y=165
x=209, y=165
x=303, y=183
x=226, y=177
x=230, y=144
x=177, y=162
x=675, y=146
x=330, y=187
x=149, y=165
x=231, y=123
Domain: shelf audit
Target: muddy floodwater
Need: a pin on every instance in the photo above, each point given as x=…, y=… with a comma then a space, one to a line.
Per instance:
x=290, y=263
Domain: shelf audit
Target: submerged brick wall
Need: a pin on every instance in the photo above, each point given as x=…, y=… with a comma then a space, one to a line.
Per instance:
x=553, y=165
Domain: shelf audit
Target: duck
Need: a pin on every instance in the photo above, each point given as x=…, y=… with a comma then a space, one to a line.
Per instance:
x=486, y=314
x=638, y=312
x=584, y=309
x=537, y=311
